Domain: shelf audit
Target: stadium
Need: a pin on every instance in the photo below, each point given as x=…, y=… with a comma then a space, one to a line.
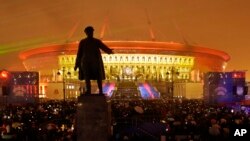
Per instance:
x=149, y=65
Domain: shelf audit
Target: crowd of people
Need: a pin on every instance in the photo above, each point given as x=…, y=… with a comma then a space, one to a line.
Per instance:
x=179, y=120
x=152, y=120
x=46, y=121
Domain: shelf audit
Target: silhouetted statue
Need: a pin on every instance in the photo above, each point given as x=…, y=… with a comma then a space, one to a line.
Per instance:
x=89, y=60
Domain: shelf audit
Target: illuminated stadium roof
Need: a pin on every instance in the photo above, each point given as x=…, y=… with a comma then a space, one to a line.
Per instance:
x=133, y=47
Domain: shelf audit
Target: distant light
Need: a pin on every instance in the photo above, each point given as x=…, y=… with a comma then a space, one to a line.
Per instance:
x=4, y=74
x=235, y=75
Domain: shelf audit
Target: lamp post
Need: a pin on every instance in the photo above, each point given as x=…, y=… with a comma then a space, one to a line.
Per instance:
x=63, y=80
x=5, y=77
x=173, y=72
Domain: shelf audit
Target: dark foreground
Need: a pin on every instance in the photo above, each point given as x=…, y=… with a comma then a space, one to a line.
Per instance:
x=147, y=120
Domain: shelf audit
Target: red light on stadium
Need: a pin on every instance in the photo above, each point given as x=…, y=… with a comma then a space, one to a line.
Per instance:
x=238, y=75
x=235, y=75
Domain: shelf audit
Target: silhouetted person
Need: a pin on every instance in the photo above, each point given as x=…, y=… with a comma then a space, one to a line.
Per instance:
x=89, y=60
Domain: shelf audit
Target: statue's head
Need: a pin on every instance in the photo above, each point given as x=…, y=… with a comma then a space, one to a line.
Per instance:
x=89, y=30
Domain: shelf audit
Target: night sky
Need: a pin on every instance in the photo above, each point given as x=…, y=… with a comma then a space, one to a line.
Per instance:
x=218, y=24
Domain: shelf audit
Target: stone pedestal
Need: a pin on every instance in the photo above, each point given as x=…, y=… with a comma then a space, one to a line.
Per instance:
x=93, y=118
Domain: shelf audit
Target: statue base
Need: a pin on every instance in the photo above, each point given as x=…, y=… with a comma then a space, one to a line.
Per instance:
x=93, y=118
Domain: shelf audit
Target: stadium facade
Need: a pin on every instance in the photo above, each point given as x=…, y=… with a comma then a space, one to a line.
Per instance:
x=151, y=61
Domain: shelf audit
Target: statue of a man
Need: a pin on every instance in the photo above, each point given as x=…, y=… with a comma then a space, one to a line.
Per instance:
x=89, y=60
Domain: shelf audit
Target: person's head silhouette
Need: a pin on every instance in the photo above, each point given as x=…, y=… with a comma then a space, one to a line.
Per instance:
x=89, y=31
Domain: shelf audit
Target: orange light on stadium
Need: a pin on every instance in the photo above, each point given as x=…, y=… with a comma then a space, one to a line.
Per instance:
x=4, y=74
